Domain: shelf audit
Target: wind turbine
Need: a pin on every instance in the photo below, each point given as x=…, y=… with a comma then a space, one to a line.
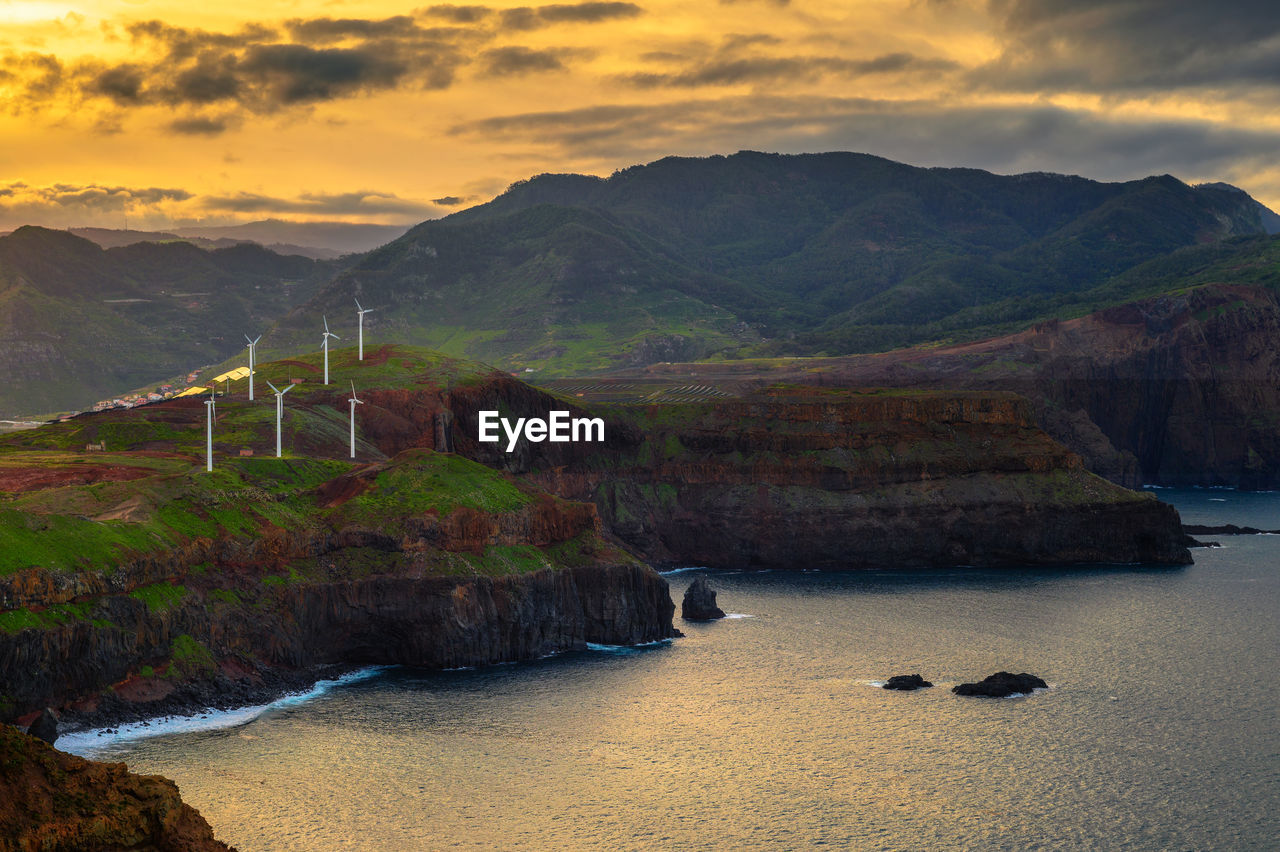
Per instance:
x=361, y=312
x=354, y=402
x=279, y=411
x=325, y=345
x=210, y=406
x=253, y=360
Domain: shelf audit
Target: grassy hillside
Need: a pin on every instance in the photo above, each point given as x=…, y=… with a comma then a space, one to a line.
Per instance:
x=81, y=323
x=764, y=254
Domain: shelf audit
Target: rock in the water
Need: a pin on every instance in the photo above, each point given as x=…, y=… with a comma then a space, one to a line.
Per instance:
x=700, y=602
x=1001, y=685
x=45, y=727
x=906, y=682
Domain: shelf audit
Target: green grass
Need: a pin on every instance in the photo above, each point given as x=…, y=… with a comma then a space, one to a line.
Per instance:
x=159, y=597
x=422, y=482
x=190, y=656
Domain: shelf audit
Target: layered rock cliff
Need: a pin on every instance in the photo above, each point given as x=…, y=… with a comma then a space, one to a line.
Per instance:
x=805, y=477
x=386, y=568
x=56, y=802
x=1180, y=389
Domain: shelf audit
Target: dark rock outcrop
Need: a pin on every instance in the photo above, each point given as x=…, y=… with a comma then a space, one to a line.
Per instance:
x=1225, y=529
x=45, y=727
x=1001, y=685
x=61, y=803
x=410, y=618
x=699, y=602
x=906, y=683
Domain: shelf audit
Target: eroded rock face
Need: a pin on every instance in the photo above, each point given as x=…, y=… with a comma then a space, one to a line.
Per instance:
x=61, y=803
x=45, y=727
x=699, y=602
x=1001, y=685
x=906, y=683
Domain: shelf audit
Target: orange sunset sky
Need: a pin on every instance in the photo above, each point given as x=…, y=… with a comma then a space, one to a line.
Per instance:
x=180, y=113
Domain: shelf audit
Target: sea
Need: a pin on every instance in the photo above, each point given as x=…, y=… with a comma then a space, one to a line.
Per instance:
x=769, y=729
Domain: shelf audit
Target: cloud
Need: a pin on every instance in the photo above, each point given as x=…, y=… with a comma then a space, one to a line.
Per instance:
x=534, y=17
x=451, y=200
x=63, y=204
x=1006, y=139
x=200, y=126
x=458, y=14
x=368, y=203
x=517, y=61
x=772, y=69
x=255, y=69
x=1142, y=45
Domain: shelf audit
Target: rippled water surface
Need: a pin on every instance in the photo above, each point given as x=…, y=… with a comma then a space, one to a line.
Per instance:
x=1160, y=730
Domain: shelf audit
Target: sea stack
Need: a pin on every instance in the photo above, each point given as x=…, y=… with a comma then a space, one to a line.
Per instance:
x=906, y=683
x=700, y=602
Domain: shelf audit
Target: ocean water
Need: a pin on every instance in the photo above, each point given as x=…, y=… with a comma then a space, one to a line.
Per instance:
x=767, y=731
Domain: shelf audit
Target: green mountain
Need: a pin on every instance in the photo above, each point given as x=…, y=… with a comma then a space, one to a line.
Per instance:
x=762, y=254
x=80, y=323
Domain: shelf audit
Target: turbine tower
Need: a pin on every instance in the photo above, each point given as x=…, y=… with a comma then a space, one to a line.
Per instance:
x=360, y=312
x=354, y=402
x=279, y=411
x=253, y=360
x=211, y=407
x=325, y=346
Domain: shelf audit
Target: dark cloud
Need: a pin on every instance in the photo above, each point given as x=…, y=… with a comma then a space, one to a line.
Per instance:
x=533, y=17
x=723, y=71
x=1004, y=138
x=458, y=14
x=323, y=30
x=451, y=200
x=252, y=68
x=122, y=84
x=515, y=61
x=199, y=126
x=294, y=73
x=1144, y=45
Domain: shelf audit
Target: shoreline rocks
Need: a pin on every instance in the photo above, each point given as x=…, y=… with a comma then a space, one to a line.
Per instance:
x=1001, y=685
x=906, y=683
x=699, y=602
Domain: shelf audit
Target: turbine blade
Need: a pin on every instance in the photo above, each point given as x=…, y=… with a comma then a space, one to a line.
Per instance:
x=334, y=336
x=256, y=339
x=246, y=337
x=358, y=308
x=287, y=389
x=273, y=387
x=353, y=387
x=326, y=324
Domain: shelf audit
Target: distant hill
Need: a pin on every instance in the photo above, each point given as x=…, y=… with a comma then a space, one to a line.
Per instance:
x=340, y=237
x=80, y=323
x=316, y=240
x=763, y=254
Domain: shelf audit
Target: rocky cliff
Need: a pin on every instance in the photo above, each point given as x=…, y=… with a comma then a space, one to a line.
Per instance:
x=424, y=560
x=56, y=802
x=1179, y=389
x=804, y=477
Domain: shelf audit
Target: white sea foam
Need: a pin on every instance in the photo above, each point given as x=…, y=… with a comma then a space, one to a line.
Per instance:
x=737, y=615
x=88, y=743
x=627, y=649
x=671, y=571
